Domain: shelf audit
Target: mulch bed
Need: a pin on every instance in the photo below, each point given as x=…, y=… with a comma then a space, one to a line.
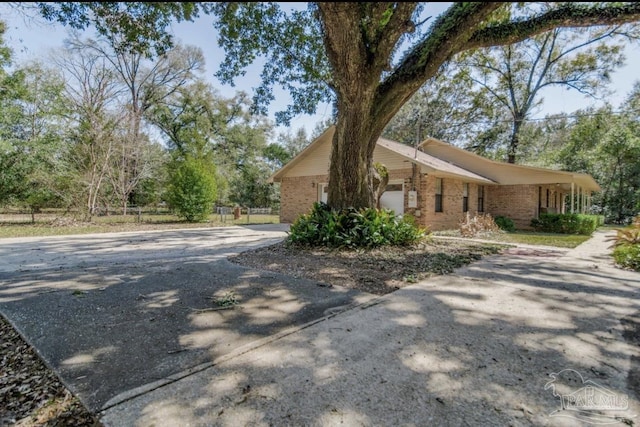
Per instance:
x=30, y=393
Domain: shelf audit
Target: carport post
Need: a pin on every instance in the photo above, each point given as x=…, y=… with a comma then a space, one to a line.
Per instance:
x=572, y=196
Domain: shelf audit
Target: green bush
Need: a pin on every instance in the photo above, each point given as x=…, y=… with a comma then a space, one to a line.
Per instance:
x=627, y=256
x=505, y=223
x=351, y=228
x=192, y=190
x=567, y=223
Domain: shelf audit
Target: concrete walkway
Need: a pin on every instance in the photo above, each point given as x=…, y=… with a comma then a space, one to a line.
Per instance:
x=532, y=339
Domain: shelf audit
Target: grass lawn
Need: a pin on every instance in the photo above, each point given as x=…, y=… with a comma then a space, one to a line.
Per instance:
x=61, y=226
x=544, y=239
x=528, y=238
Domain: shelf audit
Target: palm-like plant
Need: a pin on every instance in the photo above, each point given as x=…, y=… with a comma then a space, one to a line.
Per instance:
x=628, y=235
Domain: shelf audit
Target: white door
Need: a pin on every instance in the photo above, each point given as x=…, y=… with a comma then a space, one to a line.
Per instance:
x=324, y=192
x=393, y=197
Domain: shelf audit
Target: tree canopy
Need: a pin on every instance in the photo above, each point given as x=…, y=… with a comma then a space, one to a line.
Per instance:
x=367, y=58
x=373, y=57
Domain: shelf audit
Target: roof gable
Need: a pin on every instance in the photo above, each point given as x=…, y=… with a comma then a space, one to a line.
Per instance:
x=436, y=157
x=501, y=172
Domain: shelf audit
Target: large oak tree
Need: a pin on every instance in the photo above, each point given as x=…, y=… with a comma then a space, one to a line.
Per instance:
x=370, y=58
x=361, y=41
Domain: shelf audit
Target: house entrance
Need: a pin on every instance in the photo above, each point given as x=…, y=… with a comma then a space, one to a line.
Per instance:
x=392, y=198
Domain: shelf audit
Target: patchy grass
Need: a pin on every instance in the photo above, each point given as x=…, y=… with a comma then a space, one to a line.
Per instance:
x=526, y=237
x=544, y=239
x=611, y=227
x=62, y=226
x=229, y=299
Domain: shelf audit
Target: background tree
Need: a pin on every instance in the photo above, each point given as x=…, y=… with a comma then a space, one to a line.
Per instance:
x=287, y=146
x=542, y=140
x=239, y=147
x=13, y=155
x=192, y=189
x=40, y=132
x=445, y=108
x=250, y=187
x=605, y=144
x=515, y=76
x=147, y=83
x=187, y=118
x=92, y=91
x=30, y=134
x=355, y=55
x=198, y=123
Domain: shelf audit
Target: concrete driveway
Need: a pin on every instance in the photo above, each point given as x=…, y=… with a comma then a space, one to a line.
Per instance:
x=518, y=340
x=116, y=315
x=527, y=339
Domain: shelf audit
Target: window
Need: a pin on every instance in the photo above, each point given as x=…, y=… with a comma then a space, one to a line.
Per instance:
x=465, y=197
x=438, y=194
x=480, y=198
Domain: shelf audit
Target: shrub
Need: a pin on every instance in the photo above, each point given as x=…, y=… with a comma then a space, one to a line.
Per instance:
x=627, y=256
x=567, y=223
x=479, y=223
x=192, y=190
x=626, y=246
x=505, y=223
x=351, y=228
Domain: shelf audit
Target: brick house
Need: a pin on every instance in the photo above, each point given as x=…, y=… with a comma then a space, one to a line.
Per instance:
x=439, y=184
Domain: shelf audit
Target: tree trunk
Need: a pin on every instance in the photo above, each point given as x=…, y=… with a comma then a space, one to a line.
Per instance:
x=350, y=175
x=515, y=140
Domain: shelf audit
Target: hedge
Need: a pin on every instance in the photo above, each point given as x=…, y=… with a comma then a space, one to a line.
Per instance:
x=567, y=223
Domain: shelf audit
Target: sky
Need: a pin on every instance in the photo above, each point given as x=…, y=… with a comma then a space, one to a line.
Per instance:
x=34, y=39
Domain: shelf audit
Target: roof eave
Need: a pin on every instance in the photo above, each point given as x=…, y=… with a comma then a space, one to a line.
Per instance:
x=277, y=176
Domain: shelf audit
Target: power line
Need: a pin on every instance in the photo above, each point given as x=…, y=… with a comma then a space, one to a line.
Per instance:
x=579, y=115
x=560, y=117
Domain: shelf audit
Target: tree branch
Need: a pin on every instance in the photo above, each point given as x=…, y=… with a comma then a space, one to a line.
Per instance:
x=566, y=15
x=449, y=34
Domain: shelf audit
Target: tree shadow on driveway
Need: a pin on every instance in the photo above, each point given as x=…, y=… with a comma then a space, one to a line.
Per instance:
x=109, y=323
x=477, y=347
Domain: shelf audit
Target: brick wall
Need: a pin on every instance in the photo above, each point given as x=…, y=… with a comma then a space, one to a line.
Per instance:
x=521, y=203
x=518, y=202
x=297, y=195
x=452, y=195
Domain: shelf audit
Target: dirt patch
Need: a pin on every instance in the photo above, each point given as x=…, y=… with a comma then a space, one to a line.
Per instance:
x=377, y=271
